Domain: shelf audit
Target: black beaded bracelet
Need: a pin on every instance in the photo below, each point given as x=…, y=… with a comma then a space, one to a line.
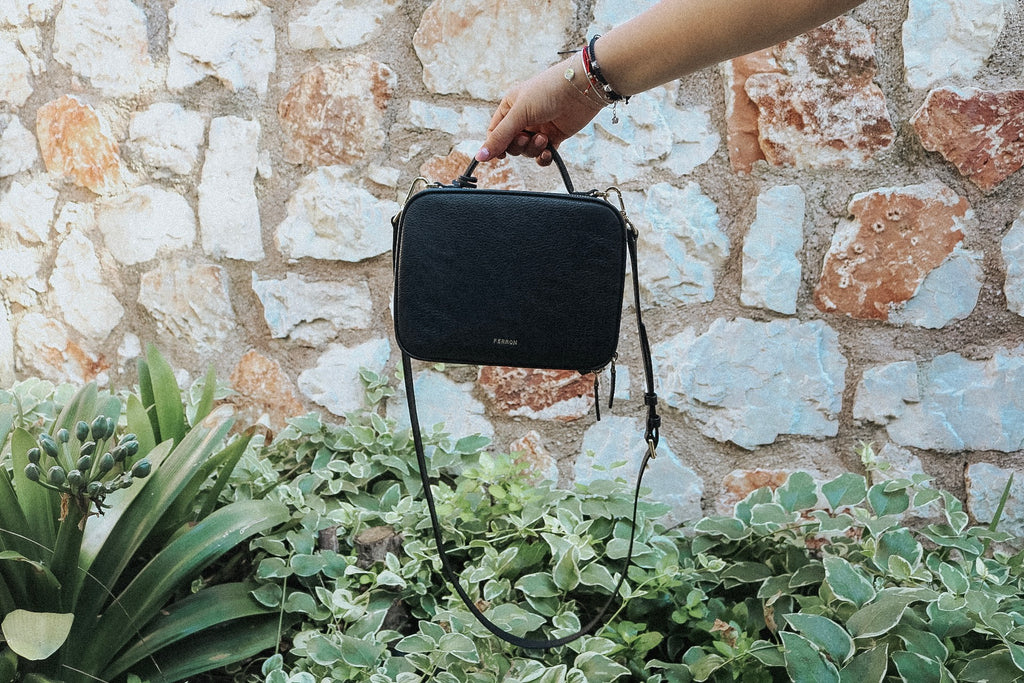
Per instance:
x=590, y=60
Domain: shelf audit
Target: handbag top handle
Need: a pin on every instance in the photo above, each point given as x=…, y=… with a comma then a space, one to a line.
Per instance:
x=467, y=179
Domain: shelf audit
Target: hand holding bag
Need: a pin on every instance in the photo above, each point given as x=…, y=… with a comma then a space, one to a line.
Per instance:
x=521, y=279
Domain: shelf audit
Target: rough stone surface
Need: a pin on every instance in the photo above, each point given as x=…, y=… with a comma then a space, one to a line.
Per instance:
x=529, y=449
x=334, y=381
x=742, y=137
x=190, y=302
x=20, y=279
x=339, y=24
x=440, y=400
x=948, y=293
x=461, y=122
x=895, y=237
x=1013, y=260
x=949, y=403
x=329, y=117
x=985, y=485
x=652, y=130
x=264, y=392
x=978, y=131
x=749, y=382
x=949, y=40
x=15, y=74
x=313, y=313
x=104, y=41
x=683, y=247
x=78, y=144
x=82, y=290
x=27, y=209
x=482, y=47
x=614, y=447
x=538, y=394
x=230, y=40
x=229, y=214
x=822, y=110
x=168, y=138
x=330, y=218
x=43, y=344
x=771, y=262
x=17, y=146
x=145, y=222
x=18, y=12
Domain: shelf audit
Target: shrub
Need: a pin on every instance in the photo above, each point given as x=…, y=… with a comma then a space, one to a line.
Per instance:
x=807, y=582
x=101, y=537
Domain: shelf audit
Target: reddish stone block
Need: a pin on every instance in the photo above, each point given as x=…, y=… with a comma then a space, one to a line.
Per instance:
x=539, y=394
x=739, y=484
x=76, y=143
x=264, y=391
x=335, y=112
x=529, y=450
x=742, y=135
x=980, y=132
x=814, y=101
x=895, y=238
x=495, y=175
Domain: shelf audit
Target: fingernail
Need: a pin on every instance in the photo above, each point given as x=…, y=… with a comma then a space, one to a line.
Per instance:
x=483, y=155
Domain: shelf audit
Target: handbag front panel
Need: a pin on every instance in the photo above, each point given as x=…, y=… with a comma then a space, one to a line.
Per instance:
x=497, y=277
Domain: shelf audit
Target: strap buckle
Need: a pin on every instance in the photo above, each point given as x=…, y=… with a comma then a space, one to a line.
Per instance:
x=622, y=208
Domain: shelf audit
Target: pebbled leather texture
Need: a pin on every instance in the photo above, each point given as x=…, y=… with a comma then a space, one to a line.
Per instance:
x=502, y=277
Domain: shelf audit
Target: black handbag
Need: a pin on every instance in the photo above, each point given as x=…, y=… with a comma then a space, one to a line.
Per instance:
x=521, y=279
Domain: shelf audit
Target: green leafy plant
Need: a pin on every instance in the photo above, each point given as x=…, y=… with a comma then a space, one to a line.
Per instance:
x=813, y=581
x=99, y=552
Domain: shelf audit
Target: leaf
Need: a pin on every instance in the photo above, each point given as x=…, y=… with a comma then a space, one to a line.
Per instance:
x=867, y=667
x=922, y=642
x=948, y=623
x=917, y=668
x=878, y=617
x=747, y=572
x=36, y=635
x=798, y=493
x=539, y=585
x=995, y=667
x=826, y=634
x=599, y=667
x=899, y=542
x=847, y=582
x=179, y=561
x=887, y=502
x=196, y=613
x=169, y=409
x=567, y=573
x=846, y=489
x=953, y=578
x=804, y=662
x=459, y=645
x=729, y=527
x=707, y=665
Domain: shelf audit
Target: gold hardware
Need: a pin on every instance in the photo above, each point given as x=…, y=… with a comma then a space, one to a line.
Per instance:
x=622, y=208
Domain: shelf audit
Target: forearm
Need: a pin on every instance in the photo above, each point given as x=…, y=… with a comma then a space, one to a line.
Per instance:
x=677, y=37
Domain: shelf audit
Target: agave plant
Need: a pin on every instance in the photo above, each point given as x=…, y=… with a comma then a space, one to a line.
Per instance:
x=107, y=517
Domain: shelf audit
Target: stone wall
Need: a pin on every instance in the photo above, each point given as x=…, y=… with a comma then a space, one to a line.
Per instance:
x=832, y=229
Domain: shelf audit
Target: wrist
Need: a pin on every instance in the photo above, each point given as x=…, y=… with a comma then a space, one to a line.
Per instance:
x=574, y=72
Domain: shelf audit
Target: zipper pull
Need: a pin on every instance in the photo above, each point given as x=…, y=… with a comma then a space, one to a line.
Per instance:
x=597, y=399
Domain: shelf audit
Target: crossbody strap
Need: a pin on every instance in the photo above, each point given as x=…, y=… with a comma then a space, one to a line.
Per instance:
x=651, y=437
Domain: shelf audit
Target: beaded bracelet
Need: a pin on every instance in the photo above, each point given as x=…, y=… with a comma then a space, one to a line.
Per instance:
x=593, y=69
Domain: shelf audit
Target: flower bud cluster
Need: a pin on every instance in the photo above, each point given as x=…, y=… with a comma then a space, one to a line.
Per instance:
x=87, y=465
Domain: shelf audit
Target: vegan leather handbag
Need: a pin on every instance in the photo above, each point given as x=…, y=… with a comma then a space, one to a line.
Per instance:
x=521, y=279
